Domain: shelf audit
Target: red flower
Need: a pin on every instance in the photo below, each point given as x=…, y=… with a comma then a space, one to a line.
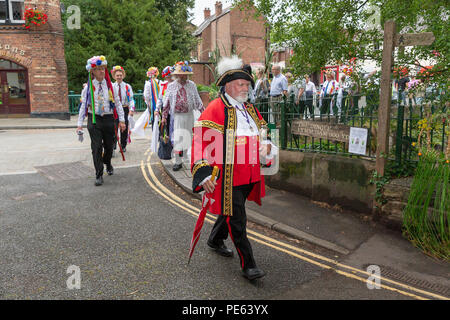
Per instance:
x=36, y=17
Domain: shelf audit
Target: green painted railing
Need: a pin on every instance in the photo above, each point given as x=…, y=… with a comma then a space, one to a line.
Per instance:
x=362, y=112
x=75, y=98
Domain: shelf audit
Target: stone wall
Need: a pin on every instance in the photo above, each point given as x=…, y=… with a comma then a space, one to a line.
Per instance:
x=332, y=179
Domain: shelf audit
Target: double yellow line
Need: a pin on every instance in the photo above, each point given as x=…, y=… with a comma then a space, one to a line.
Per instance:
x=315, y=259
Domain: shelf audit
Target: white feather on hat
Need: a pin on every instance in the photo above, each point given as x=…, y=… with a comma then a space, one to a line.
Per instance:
x=229, y=63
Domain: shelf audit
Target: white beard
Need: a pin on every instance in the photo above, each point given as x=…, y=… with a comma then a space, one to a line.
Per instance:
x=241, y=98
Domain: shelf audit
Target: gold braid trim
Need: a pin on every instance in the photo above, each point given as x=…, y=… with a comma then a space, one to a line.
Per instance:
x=209, y=124
x=259, y=123
x=198, y=165
x=228, y=165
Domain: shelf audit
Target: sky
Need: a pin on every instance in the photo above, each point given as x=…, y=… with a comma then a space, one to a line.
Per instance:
x=200, y=5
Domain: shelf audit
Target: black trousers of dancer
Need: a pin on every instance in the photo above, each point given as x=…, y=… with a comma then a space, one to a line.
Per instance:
x=101, y=134
x=236, y=226
x=123, y=134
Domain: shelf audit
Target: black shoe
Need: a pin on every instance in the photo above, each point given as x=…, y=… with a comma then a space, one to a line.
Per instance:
x=177, y=167
x=220, y=249
x=110, y=170
x=124, y=149
x=99, y=181
x=253, y=273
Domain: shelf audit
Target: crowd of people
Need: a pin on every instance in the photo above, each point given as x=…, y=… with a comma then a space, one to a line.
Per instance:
x=334, y=97
x=303, y=92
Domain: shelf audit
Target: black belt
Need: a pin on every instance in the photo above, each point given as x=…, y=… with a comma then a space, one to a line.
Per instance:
x=278, y=95
x=103, y=116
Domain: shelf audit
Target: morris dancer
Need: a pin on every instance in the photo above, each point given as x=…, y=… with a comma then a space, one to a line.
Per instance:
x=181, y=100
x=227, y=136
x=100, y=93
x=126, y=97
x=167, y=76
x=151, y=91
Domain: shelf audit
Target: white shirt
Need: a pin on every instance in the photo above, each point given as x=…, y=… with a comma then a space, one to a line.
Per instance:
x=123, y=92
x=101, y=102
x=310, y=86
x=243, y=127
x=329, y=87
x=148, y=91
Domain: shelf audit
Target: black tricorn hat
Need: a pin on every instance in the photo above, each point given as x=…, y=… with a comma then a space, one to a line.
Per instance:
x=232, y=69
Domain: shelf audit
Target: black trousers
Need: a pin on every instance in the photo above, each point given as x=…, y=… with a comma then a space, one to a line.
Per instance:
x=101, y=134
x=236, y=226
x=123, y=134
x=326, y=101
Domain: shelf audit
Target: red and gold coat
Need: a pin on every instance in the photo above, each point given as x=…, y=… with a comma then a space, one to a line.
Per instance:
x=215, y=144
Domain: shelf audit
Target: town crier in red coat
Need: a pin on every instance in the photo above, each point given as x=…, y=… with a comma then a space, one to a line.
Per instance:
x=227, y=135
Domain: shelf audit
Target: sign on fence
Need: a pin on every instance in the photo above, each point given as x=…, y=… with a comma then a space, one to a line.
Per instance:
x=323, y=130
x=358, y=140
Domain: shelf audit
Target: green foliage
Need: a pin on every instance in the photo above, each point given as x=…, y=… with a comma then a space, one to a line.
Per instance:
x=379, y=182
x=426, y=219
x=332, y=32
x=212, y=89
x=135, y=34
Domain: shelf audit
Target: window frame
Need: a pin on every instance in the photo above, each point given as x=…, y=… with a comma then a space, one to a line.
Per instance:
x=10, y=11
x=6, y=11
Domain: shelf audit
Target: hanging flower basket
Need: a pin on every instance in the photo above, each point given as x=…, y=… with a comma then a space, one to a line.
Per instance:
x=34, y=17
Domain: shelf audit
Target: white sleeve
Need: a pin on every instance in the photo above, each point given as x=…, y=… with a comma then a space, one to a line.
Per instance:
x=273, y=149
x=204, y=180
x=119, y=107
x=132, y=106
x=82, y=111
x=147, y=92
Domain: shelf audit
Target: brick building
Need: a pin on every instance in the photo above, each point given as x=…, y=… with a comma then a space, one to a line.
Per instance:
x=228, y=30
x=33, y=71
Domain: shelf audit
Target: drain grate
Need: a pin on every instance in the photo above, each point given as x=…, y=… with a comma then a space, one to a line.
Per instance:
x=394, y=274
x=65, y=171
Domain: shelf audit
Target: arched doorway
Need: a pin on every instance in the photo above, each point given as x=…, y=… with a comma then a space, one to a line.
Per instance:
x=14, y=98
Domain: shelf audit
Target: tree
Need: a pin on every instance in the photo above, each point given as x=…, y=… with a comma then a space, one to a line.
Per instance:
x=179, y=17
x=333, y=32
x=134, y=34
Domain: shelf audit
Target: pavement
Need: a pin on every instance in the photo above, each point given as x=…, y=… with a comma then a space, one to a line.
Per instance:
x=356, y=239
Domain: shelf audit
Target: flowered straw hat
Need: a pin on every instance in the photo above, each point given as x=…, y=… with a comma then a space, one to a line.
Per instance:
x=167, y=71
x=152, y=71
x=118, y=68
x=182, y=67
x=96, y=61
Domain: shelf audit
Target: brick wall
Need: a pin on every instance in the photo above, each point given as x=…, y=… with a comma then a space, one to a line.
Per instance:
x=41, y=51
x=248, y=35
x=236, y=29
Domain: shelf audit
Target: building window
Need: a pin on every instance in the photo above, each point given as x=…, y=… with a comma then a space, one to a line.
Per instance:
x=12, y=11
